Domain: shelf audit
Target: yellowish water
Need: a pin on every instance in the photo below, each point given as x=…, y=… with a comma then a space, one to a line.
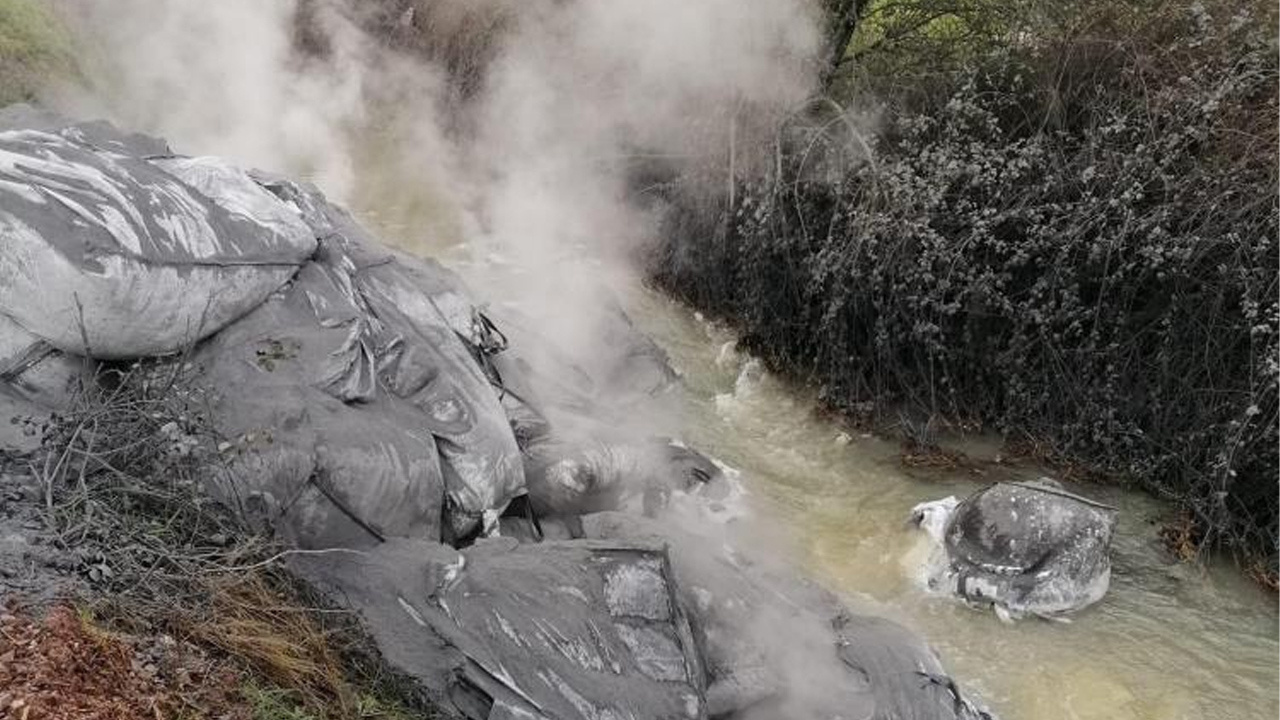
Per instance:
x=1168, y=642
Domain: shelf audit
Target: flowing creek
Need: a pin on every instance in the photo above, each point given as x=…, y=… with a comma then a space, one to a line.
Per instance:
x=1168, y=642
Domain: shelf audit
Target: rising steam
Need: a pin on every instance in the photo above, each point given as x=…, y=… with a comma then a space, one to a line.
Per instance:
x=513, y=127
x=522, y=117
x=516, y=124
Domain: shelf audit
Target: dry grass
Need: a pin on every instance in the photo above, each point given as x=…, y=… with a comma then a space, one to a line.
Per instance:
x=935, y=457
x=251, y=620
x=64, y=666
x=1180, y=537
x=124, y=471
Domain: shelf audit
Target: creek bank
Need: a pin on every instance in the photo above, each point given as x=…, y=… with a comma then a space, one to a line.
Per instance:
x=364, y=412
x=1012, y=249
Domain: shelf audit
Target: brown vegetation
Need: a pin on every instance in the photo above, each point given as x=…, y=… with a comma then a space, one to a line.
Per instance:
x=122, y=474
x=63, y=668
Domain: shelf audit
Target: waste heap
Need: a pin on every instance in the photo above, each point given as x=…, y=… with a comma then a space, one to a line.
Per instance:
x=368, y=406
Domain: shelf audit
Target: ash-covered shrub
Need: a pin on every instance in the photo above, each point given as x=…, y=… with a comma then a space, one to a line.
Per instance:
x=1075, y=243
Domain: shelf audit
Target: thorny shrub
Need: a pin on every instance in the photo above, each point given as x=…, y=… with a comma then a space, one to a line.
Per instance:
x=1092, y=261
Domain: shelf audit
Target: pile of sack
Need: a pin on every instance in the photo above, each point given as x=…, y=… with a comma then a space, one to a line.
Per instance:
x=368, y=404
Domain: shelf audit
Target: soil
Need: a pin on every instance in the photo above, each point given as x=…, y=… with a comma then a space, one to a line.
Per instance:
x=57, y=665
x=34, y=567
x=62, y=667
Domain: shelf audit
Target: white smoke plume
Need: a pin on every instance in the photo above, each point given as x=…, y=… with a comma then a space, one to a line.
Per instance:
x=515, y=128
x=511, y=126
x=580, y=92
x=529, y=163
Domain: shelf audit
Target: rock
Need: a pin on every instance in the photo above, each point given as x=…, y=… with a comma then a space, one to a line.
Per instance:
x=1020, y=547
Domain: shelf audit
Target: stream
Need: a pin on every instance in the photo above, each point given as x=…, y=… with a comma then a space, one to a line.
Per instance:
x=1170, y=641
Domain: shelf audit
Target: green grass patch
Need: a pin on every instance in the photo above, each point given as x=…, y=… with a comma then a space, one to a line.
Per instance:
x=34, y=49
x=274, y=703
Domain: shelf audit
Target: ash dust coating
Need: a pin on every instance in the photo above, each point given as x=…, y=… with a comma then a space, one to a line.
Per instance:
x=507, y=156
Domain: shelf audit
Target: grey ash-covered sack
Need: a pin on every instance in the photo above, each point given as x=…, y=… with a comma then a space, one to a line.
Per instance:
x=109, y=255
x=104, y=253
x=346, y=393
x=575, y=630
x=356, y=407
x=1021, y=547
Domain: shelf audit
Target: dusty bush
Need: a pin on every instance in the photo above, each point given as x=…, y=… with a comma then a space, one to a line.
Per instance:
x=124, y=470
x=1076, y=241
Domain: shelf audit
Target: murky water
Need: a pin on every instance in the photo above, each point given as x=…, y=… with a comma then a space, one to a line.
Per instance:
x=1169, y=642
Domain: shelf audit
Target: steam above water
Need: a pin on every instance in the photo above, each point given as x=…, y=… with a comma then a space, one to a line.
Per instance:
x=559, y=93
x=523, y=120
x=519, y=119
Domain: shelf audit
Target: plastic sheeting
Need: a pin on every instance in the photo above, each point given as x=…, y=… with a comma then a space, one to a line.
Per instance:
x=777, y=645
x=313, y=451
x=1031, y=547
x=98, y=133
x=575, y=630
x=416, y=445
x=1021, y=547
x=108, y=255
x=632, y=620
